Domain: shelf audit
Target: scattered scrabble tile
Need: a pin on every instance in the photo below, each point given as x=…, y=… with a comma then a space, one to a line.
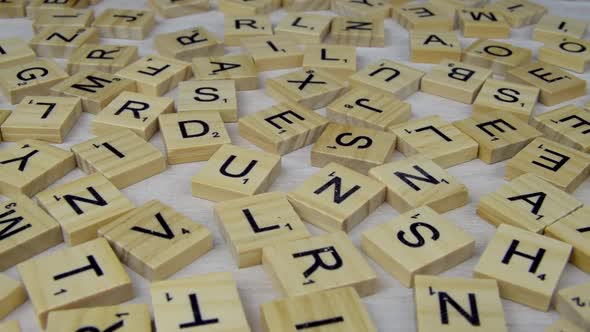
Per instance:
x=209, y=97
x=575, y=230
x=243, y=26
x=388, y=77
x=458, y=304
x=67, y=275
x=188, y=43
x=365, y=32
x=563, y=325
x=305, y=28
x=62, y=41
x=313, y=88
x=425, y=16
x=234, y=172
x=10, y=326
x=12, y=295
x=305, y=5
x=526, y=265
x=134, y=111
x=563, y=166
x=506, y=97
x=13, y=8
x=96, y=88
x=37, y=8
x=30, y=79
x=567, y=52
x=125, y=317
x=14, y=51
x=174, y=8
x=455, y=80
x=451, y=7
x=378, y=9
x=249, y=7
x=77, y=18
x=192, y=136
x=552, y=27
x=566, y=125
x=573, y=303
x=282, y=128
x=405, y=256
x=353, y=197
x=240, y=68
x=357, y=148
x=318, y=263
x=31, y=166
x=156, y=75
x=338, y=309
x=273, y=52
x=436, y=139
x=500, y=136
x=483, y=23
x=43, y=118
x=498, y=56
x=430, y=47
x=125, y=23
x=209, y=302
x=108, y=58
x=156, y=241
x=251, y=223
x=4, y=114
x=339, y=60
x=519, y=12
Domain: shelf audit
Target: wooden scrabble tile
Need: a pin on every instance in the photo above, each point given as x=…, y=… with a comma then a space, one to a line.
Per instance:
x=378, y=9
x=44, y=118
x=67, y=275
x=188, y=43
x=431, y=47
x=388, y=77
x=4, y=114
x=62, y=41
x=134, y=111
x=552, y=27
x=13, y=8
x=527, y=202
x=30, y=79
x=251, y=223
x=455, y=80
x=192, y=136
x=123, y=318
x=243, y=26
x=209, y=97
x=506, y=97
x=436, y=139
x=12, y=295
x=10, y=326
x=483, y=23
x=405, y=256
x=14, y=51
x=573, y=303
x=37, y=8
x=353, y=197
x=575, y=230
x=108, y=58
x=566, y=125
x=365, y=32
x=82, y=206
x=519, y=12
x=240, y=68
x=234, y=172
x=305, y=5
x=313, y=88
x=567, y=52
x=273, y=52
x=526, y=265
x=209, y=302
x=357, y=148
x=282, y=128
x=338, y=60
x=563, y=325
x=156, y=241
x=248, y=7
x=71, y=17
x=125, y=23
x=317, y=264
x=498, y=56
x=338, y=309
x=175, y=8
x=458, y=304
x=452, y=7
x=425, y=16
x=31, y=166
x=96, y=88
x=306, y=28
x=563, y=166
x=500, y=136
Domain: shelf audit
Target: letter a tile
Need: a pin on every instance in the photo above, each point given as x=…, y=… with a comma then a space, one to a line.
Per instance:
x=120, y=318
x=239, y=68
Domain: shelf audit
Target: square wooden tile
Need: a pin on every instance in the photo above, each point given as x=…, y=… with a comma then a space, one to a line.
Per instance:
x=305, y=5
x=250, y=7
x=567, y=52
x=498, y=56
x=425, y=16
x=31, y=79
x=552, y=27
x=170, y=9
x=37, y=8
x=108, y=58
x=62, y=41
x=125, y=23
x=483, y=23
x=305, y=28
x=188, y=43
x=72, y=17
x=566, y=125
x=12, y=295
x=507, y=97
x=240, y=68
x=563, y=325
x=124, y=317
x=339, y=60
x=575, y=230
x=13, y=325
x=4, y=114
x=519, y=12
x=242, y=26
x=431, y=47
x=451, y=7
x=572, y=304
x=209, y=97
x=156, y=75
x=362, y=9
x=273, y=52
x=14, y=51
x=388, y=77
x=455, y=80
x=12, y=9
x=364, y=32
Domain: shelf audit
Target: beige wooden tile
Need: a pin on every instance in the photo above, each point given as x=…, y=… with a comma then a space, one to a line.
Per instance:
x=125, y=23
x=62, y=41
x=156, y=241
x=526, y=265
x=506, y=97
x=552, y=27
x=31, y=166
x=305, y=28
x=337, y=198
x=378, y=9
x=37, y=8
x=12, y=295
x=455, y=80
x=192, y=136
x=12, y=9
x=251, y=223
x=452, y=7
x=249, y=7
x=238, y=27
x=240, y=68
x=30, y=79
x=209, y=97
x=156, y=75
x=519, y=12
x=365, y=32
x=566, y=125
x=425, y=16
x=108, y=58
x=339, y=60
x=436, y=139
x=282, y=128
x=188, y=43
x=234, y=172
x=305, y=5
x=388, y=77
x=13, y=325
x=573, y=303
x=567, y=52
x=483, y=23
x=273, y=52
x=80, y=277
x=14, y=51
x=563, y=166
x=335, y=310
x=44, y=118
x=563, y=325
x=498, y=56
x=170, y=9
x=121, y=318
x=209, y=302
x=433, y=47
x=4, y=114
x=458, y=304
x=575, y=230
x=71, y=17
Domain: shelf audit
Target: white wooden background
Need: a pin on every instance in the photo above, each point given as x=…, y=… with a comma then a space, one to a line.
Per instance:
x=392, y=307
